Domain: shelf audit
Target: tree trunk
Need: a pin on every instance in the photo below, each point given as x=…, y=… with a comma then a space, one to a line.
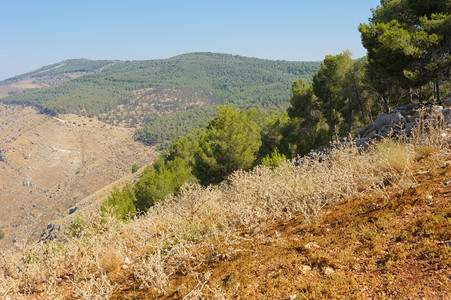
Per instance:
x=350, y=121
x=436, y=91
x=331, y=120
x=335, y=131
x=386, y=102
x=358, y=97
x=331, y=136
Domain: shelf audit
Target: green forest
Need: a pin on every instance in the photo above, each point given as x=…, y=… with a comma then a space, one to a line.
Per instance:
x=241, y=81
x=408, y=60
x=201, y=81
x=167, y=128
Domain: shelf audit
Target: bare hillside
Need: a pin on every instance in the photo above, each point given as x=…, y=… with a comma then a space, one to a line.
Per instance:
x=48, y=165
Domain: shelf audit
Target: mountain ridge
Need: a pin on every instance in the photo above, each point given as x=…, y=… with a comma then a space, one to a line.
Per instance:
x=97, y=86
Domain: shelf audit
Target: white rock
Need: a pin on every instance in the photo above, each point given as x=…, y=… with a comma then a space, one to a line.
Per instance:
x=328, y=271
x=305, y=268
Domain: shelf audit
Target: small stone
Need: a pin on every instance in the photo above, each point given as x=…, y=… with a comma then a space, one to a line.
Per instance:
x=385, y=130
x=72, y=210
x=312, y=245
x=127, y=260
x=362, y=142
x=224, y=256
x=428, y=197
x=328, y=271
x=372, y=134
x=305, y=268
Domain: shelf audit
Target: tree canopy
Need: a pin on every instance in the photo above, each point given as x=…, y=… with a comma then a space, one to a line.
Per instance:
x=231, y=142
x=409, y=41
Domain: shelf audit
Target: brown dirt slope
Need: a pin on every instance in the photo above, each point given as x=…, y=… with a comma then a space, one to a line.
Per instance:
x=48, y=165
x=394, y=246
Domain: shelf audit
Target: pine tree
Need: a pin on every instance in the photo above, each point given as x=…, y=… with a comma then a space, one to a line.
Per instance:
x=230, y=143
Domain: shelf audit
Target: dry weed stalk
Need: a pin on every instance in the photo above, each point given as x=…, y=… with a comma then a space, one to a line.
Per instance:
x=430, y=129
x=165, y=240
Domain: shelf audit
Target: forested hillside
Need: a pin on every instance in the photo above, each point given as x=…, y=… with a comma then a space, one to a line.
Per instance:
x=245, y=82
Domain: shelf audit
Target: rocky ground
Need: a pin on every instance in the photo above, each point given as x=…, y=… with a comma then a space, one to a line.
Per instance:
x=403, y=120
x=48, y=165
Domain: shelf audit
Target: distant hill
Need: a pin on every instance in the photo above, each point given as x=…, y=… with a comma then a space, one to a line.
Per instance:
x=134, y=93
x=100, y=86
x=62, y=71
x=52, y=75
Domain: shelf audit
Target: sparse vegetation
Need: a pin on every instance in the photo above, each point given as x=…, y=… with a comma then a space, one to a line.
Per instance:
x=273, y=159
x=2, y=235
x=267, y=226
x=398, y=156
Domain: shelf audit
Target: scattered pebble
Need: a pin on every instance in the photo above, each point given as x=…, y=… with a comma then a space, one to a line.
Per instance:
x=305, y=268
x=328, y=271
x=312, y=245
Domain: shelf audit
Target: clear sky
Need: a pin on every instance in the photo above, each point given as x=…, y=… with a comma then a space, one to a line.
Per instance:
x=34, y=33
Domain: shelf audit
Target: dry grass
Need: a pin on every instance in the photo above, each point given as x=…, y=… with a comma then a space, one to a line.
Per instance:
x=396, y=156
x=202, y=226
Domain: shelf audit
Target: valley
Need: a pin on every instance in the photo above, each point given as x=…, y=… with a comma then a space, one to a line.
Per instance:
x=68, y=130
x=49, y=164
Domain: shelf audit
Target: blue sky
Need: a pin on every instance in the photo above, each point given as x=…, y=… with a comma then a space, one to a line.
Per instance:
x=34, y=33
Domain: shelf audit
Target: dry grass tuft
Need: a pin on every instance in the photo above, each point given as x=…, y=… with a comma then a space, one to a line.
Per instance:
x=424, y=151
x=109, y=262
